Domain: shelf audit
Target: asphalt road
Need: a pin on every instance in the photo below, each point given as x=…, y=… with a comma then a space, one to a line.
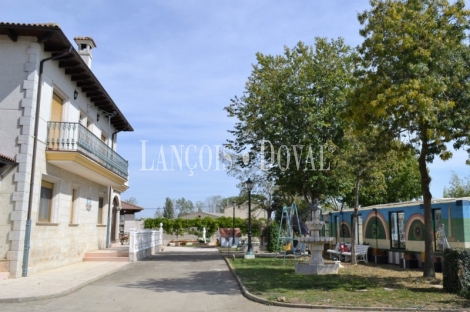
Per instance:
x=164, y=282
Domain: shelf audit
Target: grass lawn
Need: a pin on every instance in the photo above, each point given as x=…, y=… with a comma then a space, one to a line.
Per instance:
x=362, y=285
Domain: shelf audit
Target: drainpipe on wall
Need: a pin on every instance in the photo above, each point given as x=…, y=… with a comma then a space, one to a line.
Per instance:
x=110, y=190
x=27, y=238
x=108, y=224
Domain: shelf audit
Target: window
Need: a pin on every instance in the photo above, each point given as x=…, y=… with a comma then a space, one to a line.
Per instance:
x=100, y=210
x=326, y=227
x=337, y=228
x=358, y=229
x=449, y=220
x=72, y=206
x=45, y=202
x=121, y=223
x=397, y=230
x=56, y=108
x=437, y=226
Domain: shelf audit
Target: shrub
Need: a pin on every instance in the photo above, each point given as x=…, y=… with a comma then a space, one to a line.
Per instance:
x=272, y=233
x=456, y=272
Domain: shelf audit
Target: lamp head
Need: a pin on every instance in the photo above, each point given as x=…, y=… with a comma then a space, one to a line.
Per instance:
x=75, y=95
x=249, y=184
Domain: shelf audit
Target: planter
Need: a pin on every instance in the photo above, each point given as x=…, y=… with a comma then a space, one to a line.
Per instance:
x=177, y=243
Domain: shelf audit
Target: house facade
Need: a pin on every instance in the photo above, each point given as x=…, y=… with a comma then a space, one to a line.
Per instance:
x=127, y=220
x=241, y=211
x=58, y=138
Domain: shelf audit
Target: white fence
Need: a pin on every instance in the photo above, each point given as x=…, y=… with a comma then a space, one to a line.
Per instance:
x=144, y=243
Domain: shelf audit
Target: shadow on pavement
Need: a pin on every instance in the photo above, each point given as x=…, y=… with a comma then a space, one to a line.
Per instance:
x=184, y=273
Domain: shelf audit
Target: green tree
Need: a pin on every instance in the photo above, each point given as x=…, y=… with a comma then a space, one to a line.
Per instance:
x=199, y=206
x=368, y=171
x=291, y=101
x=183, y=206
x=214, y=204
x=413, y=83
x=132, y=201
x=159, y=213
x=458, y=187
x=168, y=211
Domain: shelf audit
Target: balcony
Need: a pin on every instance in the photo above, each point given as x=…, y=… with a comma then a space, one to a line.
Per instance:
x=73, y=147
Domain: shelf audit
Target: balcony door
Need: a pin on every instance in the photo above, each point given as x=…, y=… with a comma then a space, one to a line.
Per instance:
x=56, y=110
x=56, y=116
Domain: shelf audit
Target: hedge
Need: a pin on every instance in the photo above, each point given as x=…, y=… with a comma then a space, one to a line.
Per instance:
x=456, y=272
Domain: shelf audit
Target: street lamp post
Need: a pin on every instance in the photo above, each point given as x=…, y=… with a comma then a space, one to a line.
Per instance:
x=249, y=187
x=233, y=225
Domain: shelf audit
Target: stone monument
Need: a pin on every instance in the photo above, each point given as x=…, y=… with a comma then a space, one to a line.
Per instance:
x=315, y=244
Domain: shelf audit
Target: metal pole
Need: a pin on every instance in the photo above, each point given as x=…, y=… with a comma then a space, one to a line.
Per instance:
x=250, y=247
x=233, y=225
x=27, y=238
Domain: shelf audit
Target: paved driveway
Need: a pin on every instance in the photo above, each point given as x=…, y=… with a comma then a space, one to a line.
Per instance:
x=169, y=281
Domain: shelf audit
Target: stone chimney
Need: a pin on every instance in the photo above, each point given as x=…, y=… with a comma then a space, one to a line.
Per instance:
x=85, y=45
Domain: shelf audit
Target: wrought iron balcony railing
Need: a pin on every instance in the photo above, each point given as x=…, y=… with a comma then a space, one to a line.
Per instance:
x=72, y=136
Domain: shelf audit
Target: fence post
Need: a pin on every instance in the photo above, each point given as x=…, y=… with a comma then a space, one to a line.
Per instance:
x=132, y=241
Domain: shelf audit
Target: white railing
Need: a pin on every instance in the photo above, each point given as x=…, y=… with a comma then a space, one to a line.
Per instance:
x=144, y=243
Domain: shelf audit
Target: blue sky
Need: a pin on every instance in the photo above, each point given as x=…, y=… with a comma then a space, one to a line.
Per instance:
x=171, y=67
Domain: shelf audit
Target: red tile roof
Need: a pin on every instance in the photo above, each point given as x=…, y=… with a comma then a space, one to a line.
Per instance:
x=227, y=232
x=129, y=206
x=7, y=158
x=31, y=24
x=86, y=38
x=53, y=40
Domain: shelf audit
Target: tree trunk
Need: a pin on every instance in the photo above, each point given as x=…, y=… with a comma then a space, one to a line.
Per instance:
x=428, y=267
x=354, y=221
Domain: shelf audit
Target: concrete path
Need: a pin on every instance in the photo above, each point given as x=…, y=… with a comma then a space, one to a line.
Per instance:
x=57, y=282
x=175, y=280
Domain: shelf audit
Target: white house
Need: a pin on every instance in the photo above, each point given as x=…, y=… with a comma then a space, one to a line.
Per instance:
x=241, y=211
x=75, y=172
x=228, y=238
x=127, y=220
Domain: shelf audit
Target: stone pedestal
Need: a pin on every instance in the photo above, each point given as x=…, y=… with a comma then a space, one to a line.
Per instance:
x=318, y=269
x=316, y=244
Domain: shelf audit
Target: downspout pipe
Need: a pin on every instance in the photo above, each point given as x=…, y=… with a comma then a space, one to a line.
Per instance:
x=108, y=224
x=110, y=191
x=27, y=238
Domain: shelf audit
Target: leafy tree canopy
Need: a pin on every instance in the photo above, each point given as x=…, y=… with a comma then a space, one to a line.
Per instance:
x=413, y=83
x=291, y=101
x=458, y=187
x=168, y=210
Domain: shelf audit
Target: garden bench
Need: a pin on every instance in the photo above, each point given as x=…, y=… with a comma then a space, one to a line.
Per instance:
x=334, y=251
x=361, y=253
x=337, y=252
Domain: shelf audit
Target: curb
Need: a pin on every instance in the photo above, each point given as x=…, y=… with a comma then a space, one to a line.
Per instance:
x=61, y=293
x=257, y=299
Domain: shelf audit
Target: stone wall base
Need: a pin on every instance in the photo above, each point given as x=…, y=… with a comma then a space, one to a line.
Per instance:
x=317, y=269
x=142, y=254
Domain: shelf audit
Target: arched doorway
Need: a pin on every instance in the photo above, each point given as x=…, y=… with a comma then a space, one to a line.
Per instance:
x=114, y=219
